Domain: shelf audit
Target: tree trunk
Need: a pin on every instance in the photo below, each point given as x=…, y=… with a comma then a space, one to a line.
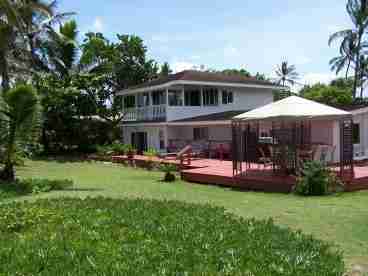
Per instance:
x=8, y=174
x=358, y=63
x=4, y=68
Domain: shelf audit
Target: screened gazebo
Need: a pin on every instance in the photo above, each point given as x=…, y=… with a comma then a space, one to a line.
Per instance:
x=282, y=135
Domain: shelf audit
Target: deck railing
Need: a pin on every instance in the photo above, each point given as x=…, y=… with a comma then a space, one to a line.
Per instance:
x=148, y=113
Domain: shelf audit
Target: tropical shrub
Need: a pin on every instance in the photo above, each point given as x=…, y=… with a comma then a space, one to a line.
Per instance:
x=119, y=148
x=316, y=179
x=103, y=236
x=20, y=115
x=32, y=186
x=169, y=170
x=130, y=150
x=150, y=152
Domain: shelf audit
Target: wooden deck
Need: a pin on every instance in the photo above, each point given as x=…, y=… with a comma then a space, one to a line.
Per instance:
x=216, y=172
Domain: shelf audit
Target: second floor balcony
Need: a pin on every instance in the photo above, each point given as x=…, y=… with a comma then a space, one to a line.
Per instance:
x=176, y=102
x=153, y=113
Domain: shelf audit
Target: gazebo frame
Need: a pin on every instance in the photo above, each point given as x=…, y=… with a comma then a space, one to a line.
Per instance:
x=287, y=135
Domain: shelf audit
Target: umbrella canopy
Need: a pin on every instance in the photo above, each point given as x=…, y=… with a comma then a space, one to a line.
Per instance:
x=291, y=108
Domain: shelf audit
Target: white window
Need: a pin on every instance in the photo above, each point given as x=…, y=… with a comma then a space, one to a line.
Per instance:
x=143, y=99
x=158, y=97
x=227, y=97
x=175, y=98
x=161, y=137
x=192, y=97
x=129, y=101
x=356, y=133
x=210, y=96
x=200, y=133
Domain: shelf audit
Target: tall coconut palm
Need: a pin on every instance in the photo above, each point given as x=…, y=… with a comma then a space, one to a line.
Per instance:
x=286, y=74
x=22, y=26
x=358, y=12
x=17, y=20
x=347, y=51
x=19, y=121
x=61, y=49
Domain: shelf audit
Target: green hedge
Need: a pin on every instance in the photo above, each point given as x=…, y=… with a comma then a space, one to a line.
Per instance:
x=32, y=186
x=103, y=236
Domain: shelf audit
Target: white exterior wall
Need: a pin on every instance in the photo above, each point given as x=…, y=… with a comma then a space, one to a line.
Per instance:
x=244, y=99
x=215, y=133
x=361, y=149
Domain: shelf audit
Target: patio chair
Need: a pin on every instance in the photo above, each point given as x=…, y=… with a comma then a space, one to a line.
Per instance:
x=322, y=152
x=176, y=155
x=265, y=160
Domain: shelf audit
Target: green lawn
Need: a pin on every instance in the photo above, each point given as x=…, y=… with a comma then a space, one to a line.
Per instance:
x=341, y=219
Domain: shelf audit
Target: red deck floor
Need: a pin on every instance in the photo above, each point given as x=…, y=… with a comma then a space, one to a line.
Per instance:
x=213, y=171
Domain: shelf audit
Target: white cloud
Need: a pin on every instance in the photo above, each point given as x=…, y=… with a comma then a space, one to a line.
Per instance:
x=98, y=24
x=313, y=78
x=182, y=65
x=185, y=65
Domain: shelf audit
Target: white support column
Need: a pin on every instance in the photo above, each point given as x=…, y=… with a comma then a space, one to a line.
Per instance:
x=166, y=136
x=336, y=140
x=201, y=96
x=167, y=96
x=183, y=95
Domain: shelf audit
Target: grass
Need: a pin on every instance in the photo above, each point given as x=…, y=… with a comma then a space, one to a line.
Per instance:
x=340, y=219
x=150, y=237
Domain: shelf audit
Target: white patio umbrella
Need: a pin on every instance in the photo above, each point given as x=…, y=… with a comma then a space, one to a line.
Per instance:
x=291, y=108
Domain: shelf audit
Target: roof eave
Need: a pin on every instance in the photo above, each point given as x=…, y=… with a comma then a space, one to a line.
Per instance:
x=204, y=83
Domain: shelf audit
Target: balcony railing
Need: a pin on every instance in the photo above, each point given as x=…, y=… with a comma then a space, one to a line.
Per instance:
x=148, y=113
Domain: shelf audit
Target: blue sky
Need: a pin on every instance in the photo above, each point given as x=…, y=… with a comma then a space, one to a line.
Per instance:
x=219, y=34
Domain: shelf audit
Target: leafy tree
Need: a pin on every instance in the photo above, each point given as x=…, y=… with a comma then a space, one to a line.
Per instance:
x=261, y=76
x=286, y=74
x=20, y=116
x=240, y=72
x=338, y=93
x=131, y=65
x=165, y=70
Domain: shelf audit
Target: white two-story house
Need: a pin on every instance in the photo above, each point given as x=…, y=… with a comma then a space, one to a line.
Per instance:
x=190, y=107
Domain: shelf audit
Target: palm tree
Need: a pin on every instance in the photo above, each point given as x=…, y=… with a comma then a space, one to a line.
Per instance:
x=18, y=124
x=22, y=27
x=347, y=51
x=352, y=41
x=286, y=74
x=61, y=49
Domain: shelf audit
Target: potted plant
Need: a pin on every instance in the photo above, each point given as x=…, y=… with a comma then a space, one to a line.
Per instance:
x=169, y=170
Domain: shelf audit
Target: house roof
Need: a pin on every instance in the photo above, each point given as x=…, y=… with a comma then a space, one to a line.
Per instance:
x=198, y=76
x=291, y=108
x=222, y=116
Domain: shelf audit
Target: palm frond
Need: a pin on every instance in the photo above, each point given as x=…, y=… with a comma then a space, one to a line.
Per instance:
x=339, y=35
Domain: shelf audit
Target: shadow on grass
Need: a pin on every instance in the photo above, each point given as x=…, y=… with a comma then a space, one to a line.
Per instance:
x=83, y=190
x=72, y=158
